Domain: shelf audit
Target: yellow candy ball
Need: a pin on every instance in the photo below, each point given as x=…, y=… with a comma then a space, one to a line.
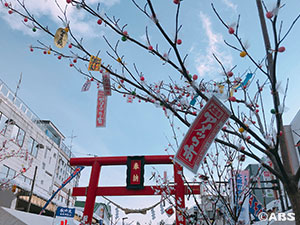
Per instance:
x=49, y=52
x=119, y=86
x=243, y=54
x=241, y=129
x=67, y=29
x=119, y=60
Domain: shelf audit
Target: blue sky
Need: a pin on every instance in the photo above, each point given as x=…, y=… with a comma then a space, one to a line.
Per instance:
x=52, y=89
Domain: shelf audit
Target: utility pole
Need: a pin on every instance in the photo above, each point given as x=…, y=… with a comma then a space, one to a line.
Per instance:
x=68, y=200
x=31, y=191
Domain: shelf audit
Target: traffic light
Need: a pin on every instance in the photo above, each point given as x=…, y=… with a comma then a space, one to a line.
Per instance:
x=14, y=188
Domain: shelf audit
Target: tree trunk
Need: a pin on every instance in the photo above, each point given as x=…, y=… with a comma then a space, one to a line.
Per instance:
x=294, y=196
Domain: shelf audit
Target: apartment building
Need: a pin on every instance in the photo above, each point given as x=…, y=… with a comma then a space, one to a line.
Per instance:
x=33, y=158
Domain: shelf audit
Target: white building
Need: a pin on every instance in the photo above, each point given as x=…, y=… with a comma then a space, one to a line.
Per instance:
x=294, y=130
x=26, y=143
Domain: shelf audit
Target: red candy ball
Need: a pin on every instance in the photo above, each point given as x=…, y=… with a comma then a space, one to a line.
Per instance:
x=281, y=49
x=229, y=73
x=269, y=15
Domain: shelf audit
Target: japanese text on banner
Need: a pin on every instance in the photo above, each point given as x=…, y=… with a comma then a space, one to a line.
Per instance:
x=101, y=109
x=201, y=134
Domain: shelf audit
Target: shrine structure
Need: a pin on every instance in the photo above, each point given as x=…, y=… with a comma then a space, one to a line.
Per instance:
x=134, y=182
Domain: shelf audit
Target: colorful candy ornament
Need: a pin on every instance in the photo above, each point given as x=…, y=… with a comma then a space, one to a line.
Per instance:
x=243, y=54
x=231, y=30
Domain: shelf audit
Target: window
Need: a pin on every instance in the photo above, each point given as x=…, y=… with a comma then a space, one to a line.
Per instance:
x=11, y=173
x=4, y=171
x=26, y=180
x=50, y=160
x=54, y=155
x=7, y=172
x=46, y=152
x=3, y=123
x=45, y=155
x=43, y=165
x=18, y=135
x=32, y=147
x=42, y=182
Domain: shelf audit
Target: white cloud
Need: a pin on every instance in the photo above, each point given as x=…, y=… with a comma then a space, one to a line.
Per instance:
x=205, y=63
x=229, y=4
x=108, y=3
x=48, y=8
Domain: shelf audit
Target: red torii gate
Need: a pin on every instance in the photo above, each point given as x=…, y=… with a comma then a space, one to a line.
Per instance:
x=93, y=190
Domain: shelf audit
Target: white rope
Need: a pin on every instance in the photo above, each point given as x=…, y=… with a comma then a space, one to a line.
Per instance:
x=128, y=211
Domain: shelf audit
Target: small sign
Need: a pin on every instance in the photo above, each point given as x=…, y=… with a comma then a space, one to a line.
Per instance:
x=106, y=83
x=60, y=38
x=101, y=109
x=65, y=212
x=64, y=216
x=86, y=86
x=201, y=134
x=94, y=64
x=135, y=172
x=129, y=98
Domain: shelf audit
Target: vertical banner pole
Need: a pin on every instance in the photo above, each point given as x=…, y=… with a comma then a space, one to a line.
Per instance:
x=179, y=194
x=91, y=194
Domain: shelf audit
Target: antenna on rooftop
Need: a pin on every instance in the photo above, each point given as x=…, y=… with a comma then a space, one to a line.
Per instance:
x=72, y=137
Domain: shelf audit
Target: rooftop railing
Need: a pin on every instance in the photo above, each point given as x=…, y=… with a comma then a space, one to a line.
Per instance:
x=13, y=98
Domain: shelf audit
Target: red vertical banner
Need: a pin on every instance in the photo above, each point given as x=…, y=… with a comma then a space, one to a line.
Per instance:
x=179, y=195
x=101, y=109
x=201, y=134
x=135, y=172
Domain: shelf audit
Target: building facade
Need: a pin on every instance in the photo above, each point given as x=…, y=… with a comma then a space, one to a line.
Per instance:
x=102, y=212
x=33, y=158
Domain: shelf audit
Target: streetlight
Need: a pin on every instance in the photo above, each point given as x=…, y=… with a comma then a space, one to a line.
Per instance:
x=124, y=218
